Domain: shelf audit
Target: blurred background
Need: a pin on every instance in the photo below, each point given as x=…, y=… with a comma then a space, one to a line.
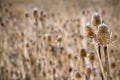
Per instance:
x=30, y=48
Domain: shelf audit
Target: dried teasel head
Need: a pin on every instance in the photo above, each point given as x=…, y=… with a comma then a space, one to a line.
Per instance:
x=59, y=38
x=83, y=53
x=96, y=19
x=49, y=38
x=103, y=34
x=113, y=65
x=91, y=56
x=78, y=75
x=42, y=15
x=89, y=32
x=26, y=14
x=35, y=13
x=88, y=71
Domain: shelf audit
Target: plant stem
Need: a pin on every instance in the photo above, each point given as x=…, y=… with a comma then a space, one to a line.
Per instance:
x=99, y=50
x=100, y=63
x=107, y=62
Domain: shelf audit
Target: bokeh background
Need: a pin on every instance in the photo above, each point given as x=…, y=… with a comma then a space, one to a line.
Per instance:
x=64, y=20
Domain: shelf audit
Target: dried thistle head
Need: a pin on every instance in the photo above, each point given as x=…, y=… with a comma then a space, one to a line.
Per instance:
x=103, y=34
x=96, y=19
x=89, y=31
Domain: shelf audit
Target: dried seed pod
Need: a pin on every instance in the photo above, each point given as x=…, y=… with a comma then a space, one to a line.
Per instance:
x=27, y=45
x=59, y=38
x=113, y=65
x=35, y=13
x=69, y=56
x=42, y=16
x=103, y=34
x=26, y=14
x=49, y=38
x=78, y=75
x=83, y=53
x=88, y=71
x=91, y=56
x=89, y=31
x=70, y=69
x=96, y=19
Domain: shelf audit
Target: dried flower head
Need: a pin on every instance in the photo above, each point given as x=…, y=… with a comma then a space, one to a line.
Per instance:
x=88, y=71
x=35, y=13
x=26, y=14
x=78, y=75
x=96, y=19
x=113, y=65
x=83, y=53
x=42, y=15
x=103, y=34
x=91, y=56
x=59, y=38
x=89, y=31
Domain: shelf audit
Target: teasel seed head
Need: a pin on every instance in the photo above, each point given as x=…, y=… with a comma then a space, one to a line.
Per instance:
x=96, y=19
x=83, y=53
x=113, y=65
x=35, y=13
x=42, y=15
x=91, y=56
x=69, y=56
x=26, y=14
x=89, y=32
x=103, y=34
x=59, y=38
x=49, y=38
x=88, y=71
x=78, y=75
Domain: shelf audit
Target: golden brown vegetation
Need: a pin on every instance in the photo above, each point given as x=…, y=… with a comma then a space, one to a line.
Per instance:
x=36, y=44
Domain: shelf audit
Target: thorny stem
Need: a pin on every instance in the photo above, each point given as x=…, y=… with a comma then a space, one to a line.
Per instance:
x=107, y=62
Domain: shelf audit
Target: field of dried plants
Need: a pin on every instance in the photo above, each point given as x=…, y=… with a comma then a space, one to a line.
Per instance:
x=59, y=40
